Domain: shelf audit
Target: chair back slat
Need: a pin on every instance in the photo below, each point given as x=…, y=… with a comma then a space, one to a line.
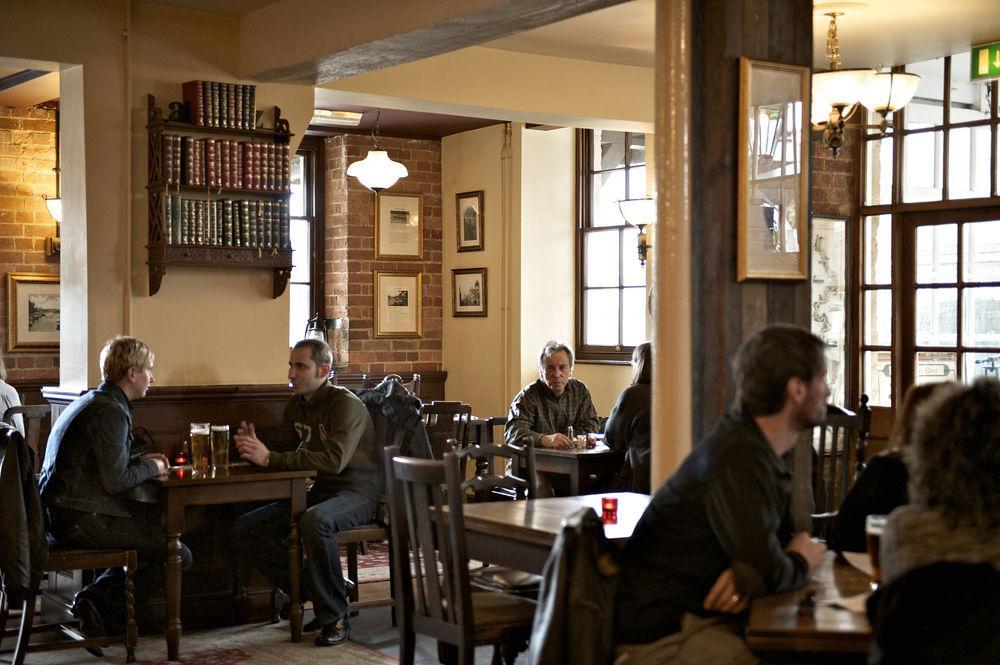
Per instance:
x=447, y=420
x=489, y=479
x=33, y=415
x=839, y=447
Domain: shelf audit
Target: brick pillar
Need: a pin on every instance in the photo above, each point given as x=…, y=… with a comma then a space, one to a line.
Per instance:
x=27, y=159
x=350, y=254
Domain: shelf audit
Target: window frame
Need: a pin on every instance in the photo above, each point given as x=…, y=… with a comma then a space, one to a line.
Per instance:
x=593, y=353
x=311, y=148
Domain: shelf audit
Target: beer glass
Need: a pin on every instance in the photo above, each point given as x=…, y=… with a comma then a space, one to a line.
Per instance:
x=874, y=525
x=220, y=446
x=201, y=446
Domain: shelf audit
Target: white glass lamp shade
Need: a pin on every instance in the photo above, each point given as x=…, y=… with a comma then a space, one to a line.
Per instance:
x=377, y=171
x=640, y=213
x=842, y=87
x=890, y=91
x=55, y=208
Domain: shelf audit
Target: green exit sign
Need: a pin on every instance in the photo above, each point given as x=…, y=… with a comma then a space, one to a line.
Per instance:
x=985, y=62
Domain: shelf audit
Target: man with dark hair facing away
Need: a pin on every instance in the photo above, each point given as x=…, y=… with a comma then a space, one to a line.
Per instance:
x=719, y=531
x=326, y=428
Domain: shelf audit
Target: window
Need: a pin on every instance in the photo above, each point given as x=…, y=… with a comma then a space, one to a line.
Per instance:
x=611, y=283
x=305, y=287
x=929, y=287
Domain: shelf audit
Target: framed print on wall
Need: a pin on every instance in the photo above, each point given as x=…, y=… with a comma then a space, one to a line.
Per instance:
x=399, y=226
x=773, y=180
x=468, y=292
x=469, y=213
x=32, y=312
x=397, y=303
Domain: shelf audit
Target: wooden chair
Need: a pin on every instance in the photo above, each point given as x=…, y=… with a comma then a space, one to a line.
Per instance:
x=839, y=459
x=413, y=385
x=435, y=598
x=63, y=558
x=33, y=415
x=447, y=420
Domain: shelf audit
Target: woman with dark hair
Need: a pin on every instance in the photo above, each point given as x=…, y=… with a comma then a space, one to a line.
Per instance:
x=627, y=429
x=881, y=488
x=954, y=465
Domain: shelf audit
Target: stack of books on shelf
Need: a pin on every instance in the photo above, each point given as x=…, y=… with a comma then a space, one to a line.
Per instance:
x=227, y=223
x=223, y=105
x=246, y=165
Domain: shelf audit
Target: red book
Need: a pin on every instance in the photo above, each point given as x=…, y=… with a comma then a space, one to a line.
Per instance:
x=194, y=99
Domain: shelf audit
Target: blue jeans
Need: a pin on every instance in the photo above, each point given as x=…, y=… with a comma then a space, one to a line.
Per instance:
x=261, y=537
x=141, y=532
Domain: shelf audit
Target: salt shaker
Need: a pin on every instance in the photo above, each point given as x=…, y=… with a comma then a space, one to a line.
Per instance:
x=569, y=433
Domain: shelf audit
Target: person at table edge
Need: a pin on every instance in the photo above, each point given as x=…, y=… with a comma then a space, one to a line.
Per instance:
x=542, y=412
x=87, y=471
x=326, y=428
x=719, y=530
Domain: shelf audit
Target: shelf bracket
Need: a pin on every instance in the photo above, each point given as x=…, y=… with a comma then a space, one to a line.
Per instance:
x=281, y=276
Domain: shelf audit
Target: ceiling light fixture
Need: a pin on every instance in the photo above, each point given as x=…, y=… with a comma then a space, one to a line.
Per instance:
x=837, y=93
x=330, y=118
x=639, y=213
x=376, y=171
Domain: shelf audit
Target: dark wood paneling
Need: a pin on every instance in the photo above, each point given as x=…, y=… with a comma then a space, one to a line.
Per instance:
x=724, y=311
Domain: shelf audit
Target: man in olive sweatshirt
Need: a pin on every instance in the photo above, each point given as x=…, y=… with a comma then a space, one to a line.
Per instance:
x=326, y=428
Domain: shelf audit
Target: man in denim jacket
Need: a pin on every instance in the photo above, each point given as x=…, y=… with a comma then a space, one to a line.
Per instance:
x=87, y=472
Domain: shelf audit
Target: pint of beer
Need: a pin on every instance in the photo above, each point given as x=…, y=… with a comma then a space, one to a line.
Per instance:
x=220, y=446
x=874, y=525
x=201, y=446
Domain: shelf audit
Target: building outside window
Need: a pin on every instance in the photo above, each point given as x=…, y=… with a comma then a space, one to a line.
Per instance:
x=611, y=283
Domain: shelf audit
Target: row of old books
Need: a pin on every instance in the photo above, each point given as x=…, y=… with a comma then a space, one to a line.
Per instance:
x=227, y=223
x=223, y=105
x=248, y=165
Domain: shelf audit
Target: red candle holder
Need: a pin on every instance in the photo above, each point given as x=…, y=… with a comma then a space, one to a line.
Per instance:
x=609, y=509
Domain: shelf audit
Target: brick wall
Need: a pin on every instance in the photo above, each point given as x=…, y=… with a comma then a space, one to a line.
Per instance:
x=834, y=189
x=27, y=157
x=350, y=254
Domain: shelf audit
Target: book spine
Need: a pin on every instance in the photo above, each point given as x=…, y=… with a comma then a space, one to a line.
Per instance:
x=178, y=158
x=210, y=171
x=216, y=98
x=244, y=223
x=272, y=167
x=185, y=222
x=224, y=163
x=286, y=240
x=177, y=204
x=227, y=223
x=192, y=94
x=231, y=105
x=167, y=162
x=268, y=224
x=223, y=94
x=286, y=168
x=247, y=150
x=238, y=106
x=199, y=162
x=258, y=157
x=252, y=107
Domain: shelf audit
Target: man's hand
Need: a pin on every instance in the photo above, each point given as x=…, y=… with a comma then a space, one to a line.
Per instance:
x=723, y=596
x=555, y=441
x=162, y=464
x=249, y=446
x=810, y=548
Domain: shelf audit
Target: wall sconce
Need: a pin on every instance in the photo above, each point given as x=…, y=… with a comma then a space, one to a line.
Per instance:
x=54, y=204
x=837, y=93
x=377, y=171
x=639, y=213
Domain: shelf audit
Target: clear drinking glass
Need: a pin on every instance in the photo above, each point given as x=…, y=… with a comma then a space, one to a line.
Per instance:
x=220, y=446
x=874, y=526
x=201, y=445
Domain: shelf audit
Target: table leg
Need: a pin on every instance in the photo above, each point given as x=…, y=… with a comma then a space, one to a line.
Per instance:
x=295, y=510
x=174, y=524
x=574, y=480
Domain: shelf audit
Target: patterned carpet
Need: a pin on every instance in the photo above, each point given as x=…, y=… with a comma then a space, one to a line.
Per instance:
x=372, y=567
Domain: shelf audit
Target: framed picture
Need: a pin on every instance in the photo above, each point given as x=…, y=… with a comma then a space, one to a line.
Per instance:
x=773, y=180
x=469, y=213
x=397, y=304
x=468, y=292
x=399, y=226
x=32, y=312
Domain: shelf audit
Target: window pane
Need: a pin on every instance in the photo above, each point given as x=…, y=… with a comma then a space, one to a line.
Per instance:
x=969, y=101
x=637, y=182
x=609, y=149
x=927, y=107
x=637, y=149
x=600, y=326
x=969, y=162
x=299, y=231
x=633, y=273
x=878, y=171
x=878, y=249
x=937, y=254
x=975, y=365
x=922, y=166
x=878, y=317
x=297, y=203
x=934, y=366
x=608, y=190
x=936, y=317
x=981, y=251
x=298, y=311
x=981, y=316
x=877, y=382
x=601, y=258
x=828, y=259
x=633, y=316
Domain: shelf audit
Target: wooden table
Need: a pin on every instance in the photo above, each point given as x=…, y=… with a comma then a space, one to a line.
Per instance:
x=777, y=624
x=579, y=464
x=239, y=483
x=520, y=534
